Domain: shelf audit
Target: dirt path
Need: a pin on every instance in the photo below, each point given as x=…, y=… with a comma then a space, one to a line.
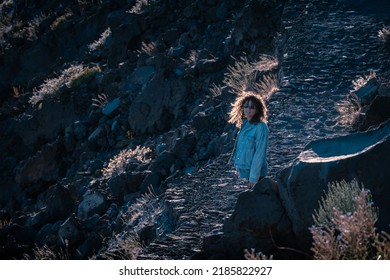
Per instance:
x=323, y=47
x=198, y=203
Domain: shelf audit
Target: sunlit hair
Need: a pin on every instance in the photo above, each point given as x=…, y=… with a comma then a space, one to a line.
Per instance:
x=236, y=114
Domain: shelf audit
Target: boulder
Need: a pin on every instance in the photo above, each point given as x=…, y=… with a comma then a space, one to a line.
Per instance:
x=160, y=168
x=377, y=112
x=158, y=106
x=361, y=156
x=124, y=183
x=259, y=221
x=69, y=232
x=367, y=93
x=58, y=201
x=92, y=203
x=44, y=166
x=111, y=107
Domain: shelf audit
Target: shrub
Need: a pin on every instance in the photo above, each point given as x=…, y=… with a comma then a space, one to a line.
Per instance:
x=71, y=77
x=344, y=226
x=341, y=196
x=118, y=164
x=86, y=74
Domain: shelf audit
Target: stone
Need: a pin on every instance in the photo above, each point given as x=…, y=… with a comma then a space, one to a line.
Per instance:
x=361, y=156
x=92, y=203
x=111, y=107
x=258, y=218
x=158, y=106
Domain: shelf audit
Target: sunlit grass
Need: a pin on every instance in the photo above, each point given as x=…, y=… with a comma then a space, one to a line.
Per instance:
x=139, y=6
x=122, y=247
x=61, y=19
x=118, y=163
x=348, y=111
x=71, y=77
x=255, y=76
x=140, y=214
x=100, y=101
x=46, y=253
x=148, y=48
x=384, y=34
x=99, y=43
x=350, y=108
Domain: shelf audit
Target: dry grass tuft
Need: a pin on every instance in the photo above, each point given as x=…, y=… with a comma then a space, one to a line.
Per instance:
x=100, y=101
x=140, y=214
x=61, y=19
x=148, y=48
x=118, y=164
x=350, y=108
x=362, y=81
x=4, y=223
x=46, y=253
x=384, y=34
x=253, y=255
x=139, y=6
x=143, y=210
x=215, y=90
x=348, y=111
x=125, y=247
x=73, y=76
x=255, y=76
x=99, y=43
x=267, y=86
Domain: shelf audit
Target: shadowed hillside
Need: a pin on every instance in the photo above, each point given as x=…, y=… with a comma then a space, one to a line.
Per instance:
x=113, y=116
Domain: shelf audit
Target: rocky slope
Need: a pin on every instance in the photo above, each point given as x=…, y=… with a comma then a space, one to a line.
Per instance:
x=114, y=117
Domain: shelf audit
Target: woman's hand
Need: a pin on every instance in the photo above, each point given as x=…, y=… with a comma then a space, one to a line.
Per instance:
x=251, y=185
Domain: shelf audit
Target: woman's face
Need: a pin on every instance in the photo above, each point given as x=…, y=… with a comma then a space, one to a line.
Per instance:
x=249, y=110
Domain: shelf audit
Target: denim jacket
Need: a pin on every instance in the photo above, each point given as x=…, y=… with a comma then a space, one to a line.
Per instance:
x=250, y=151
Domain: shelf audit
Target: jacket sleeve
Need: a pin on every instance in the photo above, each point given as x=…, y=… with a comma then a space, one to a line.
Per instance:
x=260, y=156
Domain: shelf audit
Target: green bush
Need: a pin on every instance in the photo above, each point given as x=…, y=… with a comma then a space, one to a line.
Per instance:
x=340, y=196
x=344, y=226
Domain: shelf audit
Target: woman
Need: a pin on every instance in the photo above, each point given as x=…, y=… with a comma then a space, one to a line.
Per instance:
x=249, y=113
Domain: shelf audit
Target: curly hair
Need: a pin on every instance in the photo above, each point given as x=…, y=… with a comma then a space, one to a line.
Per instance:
x=236, y=114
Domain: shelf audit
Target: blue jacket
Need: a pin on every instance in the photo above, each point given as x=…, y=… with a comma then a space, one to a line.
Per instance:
x=250, y=151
